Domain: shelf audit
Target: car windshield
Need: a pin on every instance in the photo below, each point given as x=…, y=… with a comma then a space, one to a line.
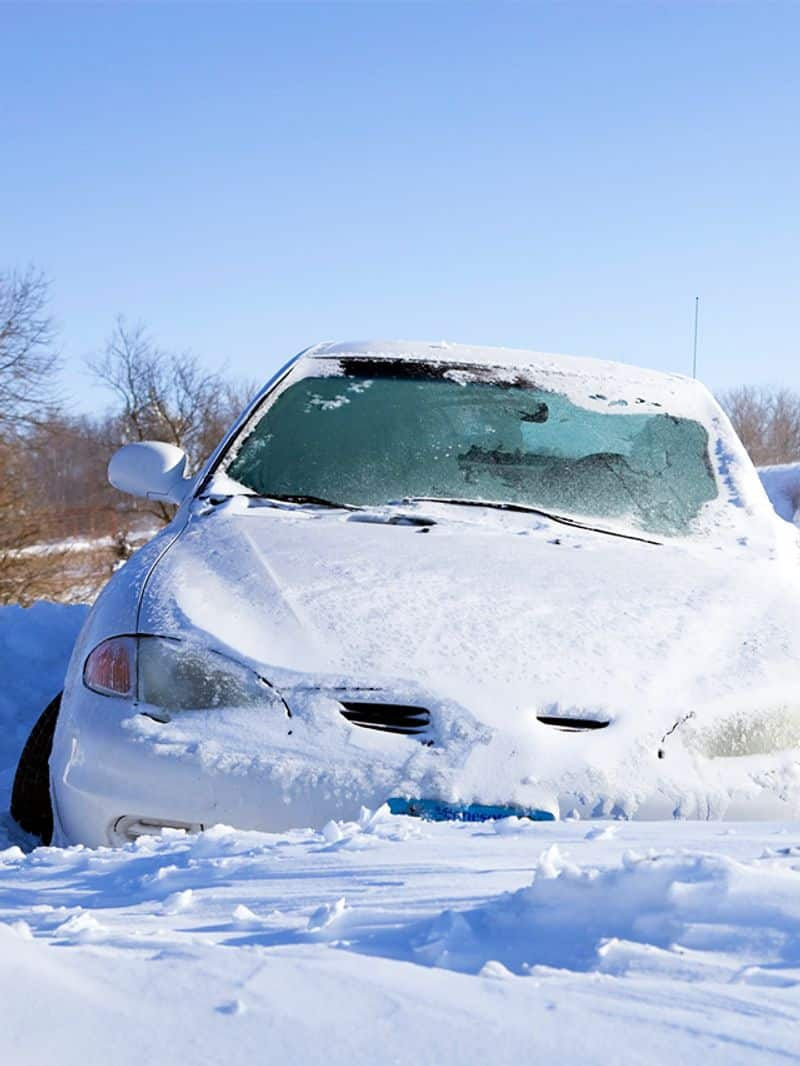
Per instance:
x=369, y=440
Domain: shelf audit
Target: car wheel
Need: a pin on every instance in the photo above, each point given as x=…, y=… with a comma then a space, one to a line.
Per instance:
x=31, y=806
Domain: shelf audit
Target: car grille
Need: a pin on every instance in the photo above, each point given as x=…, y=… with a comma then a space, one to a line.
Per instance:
x=570, y=725
x=388, y=717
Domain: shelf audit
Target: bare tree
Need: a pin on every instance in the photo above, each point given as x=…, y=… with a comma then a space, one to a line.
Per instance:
x=28, y=359
x=30, y=567
x=767, y=422
x=28, y=362
x=65, y=465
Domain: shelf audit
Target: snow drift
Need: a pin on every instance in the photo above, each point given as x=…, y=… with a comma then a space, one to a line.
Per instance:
x=35, y=646
x=782, y=485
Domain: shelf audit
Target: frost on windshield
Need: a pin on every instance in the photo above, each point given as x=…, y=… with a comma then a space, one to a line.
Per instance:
x=367, y=441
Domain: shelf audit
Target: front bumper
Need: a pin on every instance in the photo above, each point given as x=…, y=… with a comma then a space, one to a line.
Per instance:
x=114, y=771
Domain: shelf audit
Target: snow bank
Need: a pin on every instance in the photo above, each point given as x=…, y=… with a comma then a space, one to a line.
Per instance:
x=782, y=485
x=412, y=942
x=35, y=645
x=689, y=911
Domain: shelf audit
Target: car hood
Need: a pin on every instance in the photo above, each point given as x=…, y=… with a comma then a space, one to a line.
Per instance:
x=504, y=618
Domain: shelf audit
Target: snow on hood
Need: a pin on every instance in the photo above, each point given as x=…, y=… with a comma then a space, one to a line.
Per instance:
x=491, y=619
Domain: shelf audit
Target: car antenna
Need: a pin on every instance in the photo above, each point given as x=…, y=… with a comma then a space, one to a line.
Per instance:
x=694, y=347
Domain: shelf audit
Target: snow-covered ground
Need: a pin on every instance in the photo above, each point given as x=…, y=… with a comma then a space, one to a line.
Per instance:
x=35, y=644
x=394, y=941
x=388, y=939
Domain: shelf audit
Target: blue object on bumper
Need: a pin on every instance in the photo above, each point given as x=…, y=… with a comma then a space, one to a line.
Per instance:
x=439, y=811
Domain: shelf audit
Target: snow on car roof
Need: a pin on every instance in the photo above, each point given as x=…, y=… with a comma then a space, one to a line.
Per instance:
x=592, y=382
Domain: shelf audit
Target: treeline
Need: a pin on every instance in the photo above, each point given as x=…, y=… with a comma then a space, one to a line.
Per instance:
x=63, y=528
x=767, y=422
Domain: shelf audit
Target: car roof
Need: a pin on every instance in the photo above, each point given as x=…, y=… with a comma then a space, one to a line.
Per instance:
x=594, y=382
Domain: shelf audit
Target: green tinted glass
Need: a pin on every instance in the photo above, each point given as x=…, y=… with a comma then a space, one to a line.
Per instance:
x=365, y=441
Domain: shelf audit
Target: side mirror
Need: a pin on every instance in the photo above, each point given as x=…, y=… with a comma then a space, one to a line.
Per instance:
x=151, y=469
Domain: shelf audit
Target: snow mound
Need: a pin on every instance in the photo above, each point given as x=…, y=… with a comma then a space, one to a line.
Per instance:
x=679, y=911
x=782, y=485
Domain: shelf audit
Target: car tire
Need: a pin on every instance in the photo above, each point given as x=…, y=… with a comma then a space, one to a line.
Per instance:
x=31, y=806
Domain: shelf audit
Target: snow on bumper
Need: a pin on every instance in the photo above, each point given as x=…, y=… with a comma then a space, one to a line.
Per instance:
x=268, y=768
x=303, y=762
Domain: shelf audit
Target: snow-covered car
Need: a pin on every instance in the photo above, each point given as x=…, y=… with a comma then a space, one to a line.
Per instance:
x=469, y=582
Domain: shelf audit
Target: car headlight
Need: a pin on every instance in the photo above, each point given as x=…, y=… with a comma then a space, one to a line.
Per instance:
x=173, y=674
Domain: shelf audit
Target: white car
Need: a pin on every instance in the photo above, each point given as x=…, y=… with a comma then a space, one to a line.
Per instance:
x=469, y=582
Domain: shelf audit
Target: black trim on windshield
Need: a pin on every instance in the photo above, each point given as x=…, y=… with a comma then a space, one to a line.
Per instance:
x=429, y=370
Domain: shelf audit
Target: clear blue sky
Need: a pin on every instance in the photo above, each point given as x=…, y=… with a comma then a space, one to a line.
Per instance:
x=248, y=179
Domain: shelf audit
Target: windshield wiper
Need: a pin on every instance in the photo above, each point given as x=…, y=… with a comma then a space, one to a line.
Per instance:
x=301, y=497
x=522, y=508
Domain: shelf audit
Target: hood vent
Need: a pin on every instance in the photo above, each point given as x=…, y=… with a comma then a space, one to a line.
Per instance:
x=388, y=717
x=570, y=725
